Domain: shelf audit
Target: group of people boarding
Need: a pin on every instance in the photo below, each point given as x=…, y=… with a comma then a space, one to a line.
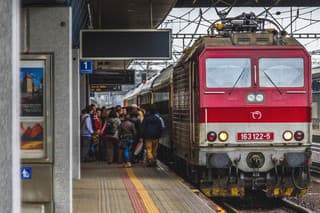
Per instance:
x=120, y=134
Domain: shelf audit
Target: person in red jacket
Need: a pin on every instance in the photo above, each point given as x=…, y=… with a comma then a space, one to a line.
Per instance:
x=96, y=128
x=95, y=119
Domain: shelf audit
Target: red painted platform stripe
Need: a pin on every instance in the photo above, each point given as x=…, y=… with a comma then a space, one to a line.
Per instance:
x=135, y=199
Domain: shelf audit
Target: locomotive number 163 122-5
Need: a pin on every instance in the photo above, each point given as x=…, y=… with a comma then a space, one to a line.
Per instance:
x=255, y=136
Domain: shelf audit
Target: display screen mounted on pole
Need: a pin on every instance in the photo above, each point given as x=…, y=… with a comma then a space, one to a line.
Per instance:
x=125, y=44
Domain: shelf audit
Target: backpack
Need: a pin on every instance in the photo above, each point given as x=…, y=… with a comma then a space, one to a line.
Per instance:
x=110, y=129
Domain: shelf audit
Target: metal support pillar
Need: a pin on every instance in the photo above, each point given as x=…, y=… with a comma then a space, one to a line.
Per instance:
x=76, y=170
x=151, y=14
x=50, y=32
x=9, y=106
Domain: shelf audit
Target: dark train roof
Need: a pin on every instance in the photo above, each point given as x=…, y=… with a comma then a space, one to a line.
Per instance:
x=239, y=39
x=164, y=78
x=147, y=86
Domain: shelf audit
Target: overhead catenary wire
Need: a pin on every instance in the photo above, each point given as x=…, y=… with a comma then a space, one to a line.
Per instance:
x=307, y=19
x=197, y=27
x=224, y=12
x=190, y=22
x=301, y=14
x=292, y=21
x=310, y=42
x=266, y=10
x=194, y=23
x=274, y=19
x=304, y=27
x=294, y=10
x=187, y=13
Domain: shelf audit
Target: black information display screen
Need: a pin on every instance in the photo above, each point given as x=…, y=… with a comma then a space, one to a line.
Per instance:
x=104, y=88
x=112, y=77
x=125, y=44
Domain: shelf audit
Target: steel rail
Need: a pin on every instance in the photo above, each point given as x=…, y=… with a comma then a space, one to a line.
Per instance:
x=295, y=206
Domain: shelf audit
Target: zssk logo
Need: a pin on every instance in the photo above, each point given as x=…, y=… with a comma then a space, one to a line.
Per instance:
x=256, y=115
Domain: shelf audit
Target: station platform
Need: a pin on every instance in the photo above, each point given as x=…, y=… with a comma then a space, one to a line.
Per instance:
x=112, y=188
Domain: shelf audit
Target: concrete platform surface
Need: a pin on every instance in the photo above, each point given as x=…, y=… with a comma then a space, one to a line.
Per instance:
x=107, y=188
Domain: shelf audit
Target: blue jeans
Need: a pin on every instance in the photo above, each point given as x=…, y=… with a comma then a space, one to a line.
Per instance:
x=86, y=145
x=127, y=151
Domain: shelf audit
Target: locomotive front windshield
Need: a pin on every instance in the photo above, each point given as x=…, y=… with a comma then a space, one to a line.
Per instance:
x=228, y=72
x=281, y=72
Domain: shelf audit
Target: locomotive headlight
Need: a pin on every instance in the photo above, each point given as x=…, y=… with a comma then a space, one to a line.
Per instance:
x=287, y=135
x=255, y=97
x=251, y=98
x=298, y=135
x=259, y=98
x=223, y=136
x=211, y=136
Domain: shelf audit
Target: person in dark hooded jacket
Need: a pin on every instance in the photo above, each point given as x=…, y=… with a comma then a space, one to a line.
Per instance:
x=151, y=132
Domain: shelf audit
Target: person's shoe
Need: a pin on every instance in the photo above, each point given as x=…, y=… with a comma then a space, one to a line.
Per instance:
x=127, y=165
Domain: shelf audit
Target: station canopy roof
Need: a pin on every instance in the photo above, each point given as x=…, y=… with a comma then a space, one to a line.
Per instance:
x=111, y=14
x=135, y=14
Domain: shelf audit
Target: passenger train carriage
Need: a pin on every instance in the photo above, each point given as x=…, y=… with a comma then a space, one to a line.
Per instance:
x=315, y=120
x=241, y=111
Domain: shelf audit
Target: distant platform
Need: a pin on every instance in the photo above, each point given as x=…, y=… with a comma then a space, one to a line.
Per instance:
x=112, y=188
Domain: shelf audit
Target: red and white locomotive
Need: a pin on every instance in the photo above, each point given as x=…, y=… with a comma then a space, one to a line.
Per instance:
x=239, y=104
x=242, y=111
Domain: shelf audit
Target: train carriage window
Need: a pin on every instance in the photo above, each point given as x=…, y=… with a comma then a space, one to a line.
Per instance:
x=228, y=72
x=281, y=72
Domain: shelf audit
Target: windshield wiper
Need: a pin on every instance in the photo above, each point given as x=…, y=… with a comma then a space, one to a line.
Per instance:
x=235, y=83
x=273, y=82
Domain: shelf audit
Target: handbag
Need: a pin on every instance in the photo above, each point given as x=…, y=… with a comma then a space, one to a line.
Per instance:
x=95, y=138
x=123, y=143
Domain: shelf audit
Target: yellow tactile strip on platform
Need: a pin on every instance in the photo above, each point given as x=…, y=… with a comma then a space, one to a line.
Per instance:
x=147, y=200
x=168, y=193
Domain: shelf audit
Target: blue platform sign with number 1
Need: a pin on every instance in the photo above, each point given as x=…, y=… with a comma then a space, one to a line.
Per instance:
x=86, y=67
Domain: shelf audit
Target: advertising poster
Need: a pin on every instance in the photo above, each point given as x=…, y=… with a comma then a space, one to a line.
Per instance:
x=31, y=84
x=32, y=119
x=32, y=139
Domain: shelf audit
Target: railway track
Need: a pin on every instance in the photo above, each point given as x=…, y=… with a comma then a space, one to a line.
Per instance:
x=267, y=205
x=258, y=202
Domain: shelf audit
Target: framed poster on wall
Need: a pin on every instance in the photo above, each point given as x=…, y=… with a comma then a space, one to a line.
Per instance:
x=35, y=108
x=31, y=85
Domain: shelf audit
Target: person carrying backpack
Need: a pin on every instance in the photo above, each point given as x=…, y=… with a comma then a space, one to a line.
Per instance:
x=127, y=133
x=110, y=136
x=151, y=132
x=134, y=118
